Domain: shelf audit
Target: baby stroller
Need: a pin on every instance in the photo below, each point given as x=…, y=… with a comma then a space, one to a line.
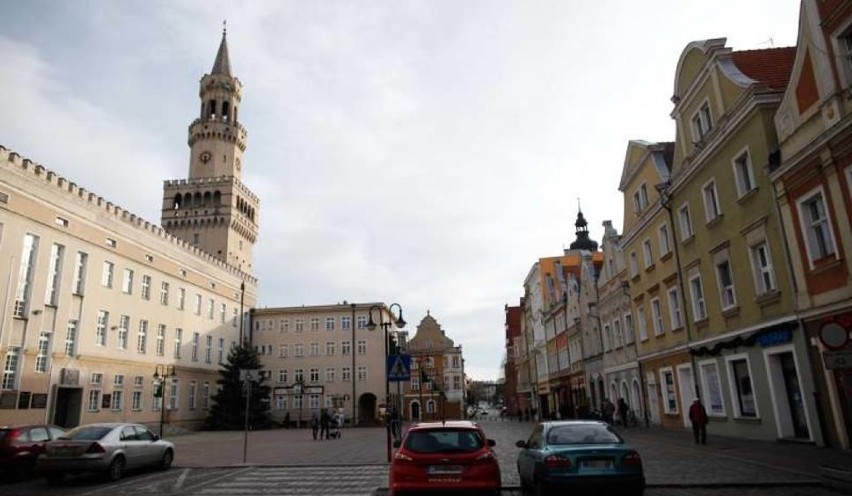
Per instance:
x=334, y=427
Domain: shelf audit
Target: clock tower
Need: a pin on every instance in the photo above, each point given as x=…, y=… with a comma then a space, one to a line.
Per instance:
x=212, y=209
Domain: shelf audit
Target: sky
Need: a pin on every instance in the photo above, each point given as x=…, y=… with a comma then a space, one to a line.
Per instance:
x=425, y=153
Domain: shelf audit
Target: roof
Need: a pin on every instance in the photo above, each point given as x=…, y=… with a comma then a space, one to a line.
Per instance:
x=771, y=66
x=222, y=65
x=454, y=424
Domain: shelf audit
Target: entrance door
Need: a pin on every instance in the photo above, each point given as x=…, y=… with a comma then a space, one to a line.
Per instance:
x=67, y=407
x=794, y=395
x=653, y=399
x=687, y=391
x=415, y=411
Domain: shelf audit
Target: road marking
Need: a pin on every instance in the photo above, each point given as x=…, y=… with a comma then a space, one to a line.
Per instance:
x=181, y=479
x=130, y=481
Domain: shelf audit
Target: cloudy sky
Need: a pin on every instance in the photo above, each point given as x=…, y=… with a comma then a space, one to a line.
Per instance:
x=419, y=152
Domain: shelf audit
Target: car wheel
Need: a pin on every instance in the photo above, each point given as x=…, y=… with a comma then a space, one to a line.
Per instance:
x=54, y=478
x=116, y=468
x=167, y=459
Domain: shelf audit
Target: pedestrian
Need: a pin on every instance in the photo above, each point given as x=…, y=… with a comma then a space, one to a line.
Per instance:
x=314, y=424
x=607, y=410
x=324, y=424
x=622, y=411
x=698, y=417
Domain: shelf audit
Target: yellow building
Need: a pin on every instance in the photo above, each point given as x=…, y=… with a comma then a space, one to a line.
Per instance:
x=98, y=300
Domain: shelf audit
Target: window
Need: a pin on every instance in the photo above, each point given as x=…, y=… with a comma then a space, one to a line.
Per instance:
x=299, y=350
x=701, y=122
x=211, y=308
x=415, y=383
x=174, y=398
x=345, y=348
x=313, y=377
x=646, y=250
x=71, y=338
x=643, y=326
x=43, y=352
x=223, y=310
x=329, y=374
x=743, y=174
x=197, y=308
x=726, y=285
x=616, y=334
x=685, y=222
x=161, y=340
x=107, y=275
x=164, y=293
x=329, y=323
x=628, y=329
x=195, y=338
x=743, y=394
x=657, y=317
x=283, y=351
x=138, y=381
x=674, y=309
x=181, y=298
x=142, y=338
x=123, y=331
x=96, y=379
x=136, y=401
x=362, y=346
x=816, y=229
x=80, y=272
x=208, y=349
x=221, y=350
x=362, y=322
x=127, y=282
x=94, y=402
x=362, y=373
x=634, y=264
x=282, y=376
x=111, y=242
x=669, y=397
x=315, y=323
x=101, y=328
x=54, y=274
x=193, y=386
x=329, y=348
x=665, y=247
x=298, y=375
x=345, y=322
x=346, y=374
x=712, y=211
x=25, y=277
x=300, y=325
x=712, y=388
x=607, y=339
x=61, y=221
x=178, y=339
x=699, y=308
x=284, y=325
x=117, y=400
x=314, y=348
x=640, y=199
x=762, y=263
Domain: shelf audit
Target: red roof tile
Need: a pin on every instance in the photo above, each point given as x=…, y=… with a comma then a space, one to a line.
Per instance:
x=771, y=66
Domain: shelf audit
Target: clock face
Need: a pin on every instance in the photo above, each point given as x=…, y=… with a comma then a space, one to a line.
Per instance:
x=205, y=157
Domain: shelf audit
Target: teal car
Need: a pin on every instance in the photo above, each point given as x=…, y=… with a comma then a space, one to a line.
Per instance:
x=579, y=456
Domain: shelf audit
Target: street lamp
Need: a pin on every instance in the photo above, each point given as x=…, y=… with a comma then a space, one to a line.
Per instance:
x=298, y=391
x=161, y=372
x=371, y=325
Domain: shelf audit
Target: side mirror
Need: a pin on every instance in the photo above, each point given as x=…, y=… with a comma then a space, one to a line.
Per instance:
x=397, y=443
x=521, y=444
x=155, y=438
x=492, y=443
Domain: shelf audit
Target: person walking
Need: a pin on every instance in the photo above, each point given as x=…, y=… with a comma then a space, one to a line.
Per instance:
x=324, y=423
x=314, y=424
x=607, y=409
x=698, y=417
x=622, y=411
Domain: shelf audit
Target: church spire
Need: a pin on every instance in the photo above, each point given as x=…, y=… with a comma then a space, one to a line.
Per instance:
x=222, y=65
x=583, y=242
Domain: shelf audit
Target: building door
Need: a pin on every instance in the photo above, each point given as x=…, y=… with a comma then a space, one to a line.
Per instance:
x=653, y=399
x=68, y=403
x=415, y=411
x=367, y=409
x=687, y=391
x=794, y=395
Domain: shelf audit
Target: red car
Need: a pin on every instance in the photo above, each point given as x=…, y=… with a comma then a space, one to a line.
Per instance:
x=21, y=445
x=452, y=455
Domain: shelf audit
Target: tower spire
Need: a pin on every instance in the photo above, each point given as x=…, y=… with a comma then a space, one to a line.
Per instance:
x=222, y=65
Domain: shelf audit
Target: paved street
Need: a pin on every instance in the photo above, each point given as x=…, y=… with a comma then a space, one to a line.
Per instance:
x=289, y=463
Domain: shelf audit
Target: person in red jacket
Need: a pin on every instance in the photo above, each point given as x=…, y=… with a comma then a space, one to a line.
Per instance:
x=698, y=417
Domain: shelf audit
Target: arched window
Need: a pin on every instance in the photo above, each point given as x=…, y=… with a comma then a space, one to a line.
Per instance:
x=217, y=198
x=430, y=406
x=225, y=110
x=207, y=198
x=187, y=201
x=196, y=200
x=211, y=109
x=177, y=202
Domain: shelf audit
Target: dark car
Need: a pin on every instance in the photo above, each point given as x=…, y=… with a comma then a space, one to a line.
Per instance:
x=573, y=456
x=440, y=456
x=20, y=446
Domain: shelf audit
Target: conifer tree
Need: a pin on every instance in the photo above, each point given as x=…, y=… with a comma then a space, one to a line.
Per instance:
x=228, y=411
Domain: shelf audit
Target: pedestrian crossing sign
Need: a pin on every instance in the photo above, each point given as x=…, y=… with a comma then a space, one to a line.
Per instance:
x=399, y=368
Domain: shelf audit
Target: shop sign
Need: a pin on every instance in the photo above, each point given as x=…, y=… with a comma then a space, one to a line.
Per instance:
x=837, y=359
x=774, y=338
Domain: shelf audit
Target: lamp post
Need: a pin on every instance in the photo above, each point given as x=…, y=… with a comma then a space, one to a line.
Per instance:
x=371, y=325
x=298, y=391
x=161, y=372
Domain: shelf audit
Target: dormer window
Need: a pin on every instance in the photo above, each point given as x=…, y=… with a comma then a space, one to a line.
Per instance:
x=640, y=199
x=701, y=122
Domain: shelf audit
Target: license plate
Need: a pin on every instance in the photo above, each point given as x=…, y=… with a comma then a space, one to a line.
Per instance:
x=63, y=451
x=445, y=469
x=597, y=463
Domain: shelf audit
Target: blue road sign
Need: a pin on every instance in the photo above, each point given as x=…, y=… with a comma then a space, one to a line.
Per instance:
x=399, y=368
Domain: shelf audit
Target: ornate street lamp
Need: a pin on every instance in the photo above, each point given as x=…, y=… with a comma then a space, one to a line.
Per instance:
x=161, y=373
x=371, y=325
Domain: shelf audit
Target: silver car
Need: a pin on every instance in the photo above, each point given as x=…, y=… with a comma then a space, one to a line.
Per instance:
x=108, y=448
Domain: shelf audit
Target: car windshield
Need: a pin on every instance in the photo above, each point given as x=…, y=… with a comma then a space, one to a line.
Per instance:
x=583, y=434
x=86, y=433
x=444, y=441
